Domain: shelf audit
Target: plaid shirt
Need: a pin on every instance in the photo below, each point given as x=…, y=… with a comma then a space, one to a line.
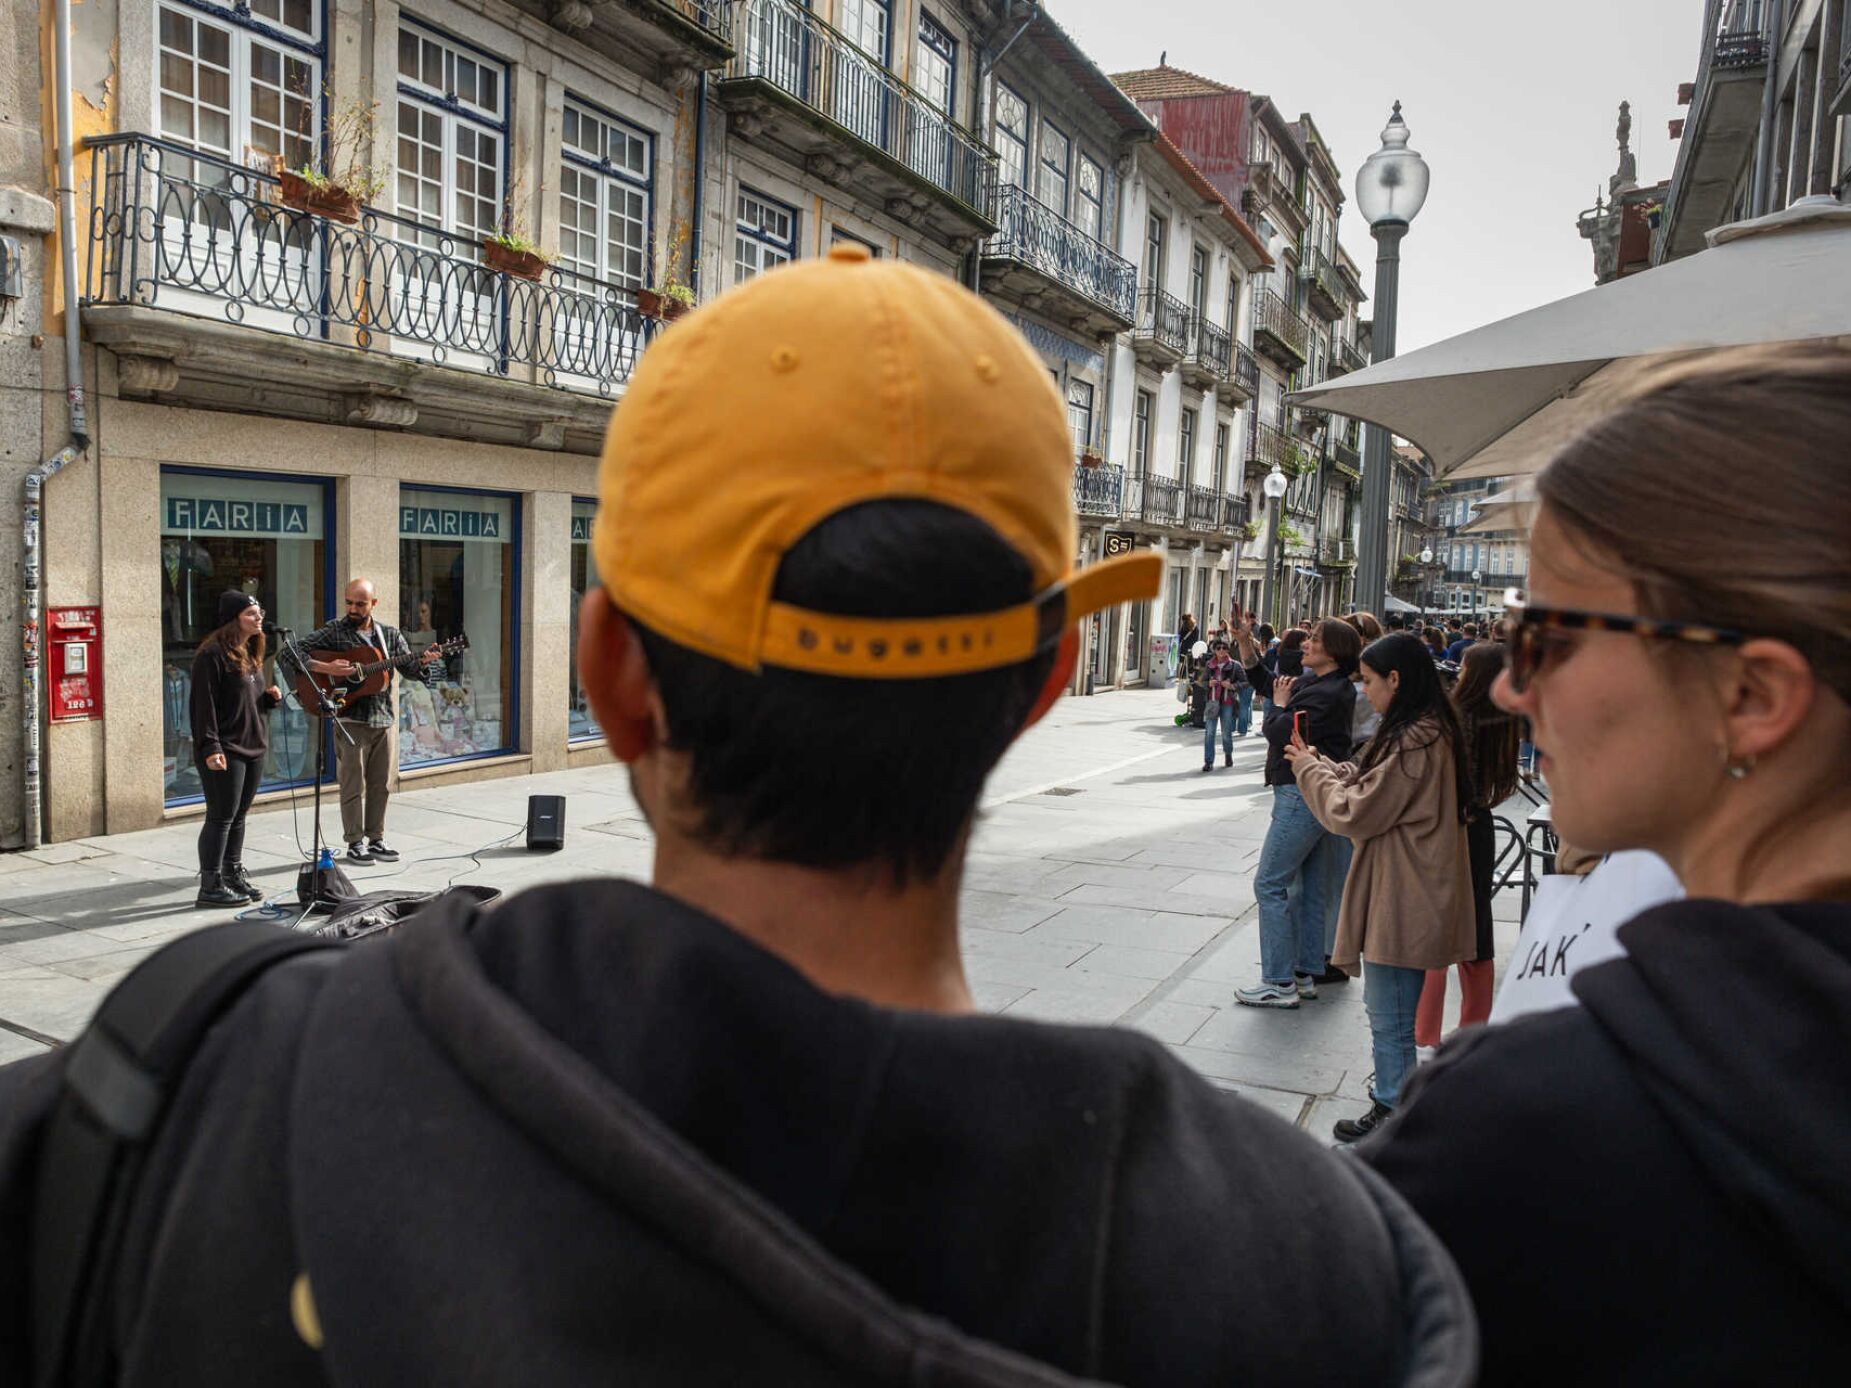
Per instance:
x=374, y=710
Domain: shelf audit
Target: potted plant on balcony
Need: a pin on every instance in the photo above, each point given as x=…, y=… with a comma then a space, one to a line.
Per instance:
x=1290, y=535
x=1092, y=456
x=671, y=298
x=344, y=180
x=1250, y=531
x=509, y=250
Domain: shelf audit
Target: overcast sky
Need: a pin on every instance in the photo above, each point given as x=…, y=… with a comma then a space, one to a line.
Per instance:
x=1513, y=106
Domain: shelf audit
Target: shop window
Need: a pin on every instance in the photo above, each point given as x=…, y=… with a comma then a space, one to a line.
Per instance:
x=269, y=537
x=581, y=723
x=459, y=567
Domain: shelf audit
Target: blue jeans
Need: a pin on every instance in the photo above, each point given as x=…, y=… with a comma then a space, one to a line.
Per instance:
x=1298, y=851
x=1243, y=721
x=1336, y=866
x=1391, y=993
x=1222, y=714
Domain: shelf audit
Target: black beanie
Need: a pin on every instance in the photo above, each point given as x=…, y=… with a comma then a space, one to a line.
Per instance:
x=231, y=603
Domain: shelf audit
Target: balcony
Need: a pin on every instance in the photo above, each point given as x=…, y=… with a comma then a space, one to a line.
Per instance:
x=1242, y=382
x=1324, y=289
x=1269, y=190
x=202, y=282
x=1337, y=553
x=805, y=91
x=1161, y=338
x=1236, y=512
x=673, y=36
x=1345, y=358
x=1720, y=132
x=1279, y=334
x=1046, y=263
x=1347, y=459
x=1269, y=447
x=1202, y=508
x=1098, y=491
x=1154, y=501
x=1210, y=354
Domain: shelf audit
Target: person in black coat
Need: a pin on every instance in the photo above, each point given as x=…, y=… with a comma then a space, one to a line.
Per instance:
x=1651, y=1185
x=231, y=737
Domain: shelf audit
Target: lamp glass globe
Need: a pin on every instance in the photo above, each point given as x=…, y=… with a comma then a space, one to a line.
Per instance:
x=1391, y=185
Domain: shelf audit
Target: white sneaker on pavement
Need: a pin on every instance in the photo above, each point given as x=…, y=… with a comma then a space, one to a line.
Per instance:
x=1268, y=995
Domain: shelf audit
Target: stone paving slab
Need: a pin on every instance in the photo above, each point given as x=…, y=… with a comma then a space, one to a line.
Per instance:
x=1126, y=898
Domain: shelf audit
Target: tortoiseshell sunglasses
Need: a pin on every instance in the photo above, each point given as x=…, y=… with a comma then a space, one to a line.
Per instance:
x=1530, y=625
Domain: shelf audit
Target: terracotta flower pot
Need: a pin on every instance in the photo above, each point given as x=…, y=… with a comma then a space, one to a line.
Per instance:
x=1092, y=459
x=334, y=203
x=652, y=303
x=520, y=265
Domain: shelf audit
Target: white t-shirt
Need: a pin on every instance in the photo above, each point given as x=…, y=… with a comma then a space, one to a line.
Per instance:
x=1572, y=925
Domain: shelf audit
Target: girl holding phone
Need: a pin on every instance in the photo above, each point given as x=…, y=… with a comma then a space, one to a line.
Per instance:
x=1407, y=903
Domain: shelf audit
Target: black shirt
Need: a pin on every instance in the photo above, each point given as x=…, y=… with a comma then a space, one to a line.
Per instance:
x=228, y=708
x=1327, y=701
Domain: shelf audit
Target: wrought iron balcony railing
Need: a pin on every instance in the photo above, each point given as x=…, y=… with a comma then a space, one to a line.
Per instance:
x=1347, y=458
x=1269, y=446
x=715, y=16
x=1326, y=288
x=1345, y=358
x=1202, y=508
x=1155, y=500
x=1338, y=550
x=1098, y=491
x=1276, y=319
x=1267, y=191
x=1246, y=373
x=173, y=229
x=1210, y=348
x=1164, y=319
x=783, y=43
x=1236, y=511
x=1030, y=231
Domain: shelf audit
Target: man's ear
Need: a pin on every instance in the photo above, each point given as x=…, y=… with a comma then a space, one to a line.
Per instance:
x=615, y=672
x=1059, y=677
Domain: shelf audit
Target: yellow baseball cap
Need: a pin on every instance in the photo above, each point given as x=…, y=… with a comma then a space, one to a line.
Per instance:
x=813, y=388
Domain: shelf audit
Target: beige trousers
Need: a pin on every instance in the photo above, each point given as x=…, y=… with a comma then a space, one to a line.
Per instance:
x=363, y=767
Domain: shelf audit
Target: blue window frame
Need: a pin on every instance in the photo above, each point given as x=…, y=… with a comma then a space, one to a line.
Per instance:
x=582, y=573
x=764, y=235
x=937, y=74
x=606, y=196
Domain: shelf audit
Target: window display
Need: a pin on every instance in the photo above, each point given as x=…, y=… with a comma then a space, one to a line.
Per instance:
x=458, y=571
x=581, y=723
x=268, y=537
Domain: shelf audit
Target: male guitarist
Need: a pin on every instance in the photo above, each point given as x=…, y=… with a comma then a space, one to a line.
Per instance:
x=363, y=757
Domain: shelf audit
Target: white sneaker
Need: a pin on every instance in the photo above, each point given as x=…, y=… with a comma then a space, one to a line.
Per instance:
x=1422, y=1054
x=1307, y=985
x=1268, y=995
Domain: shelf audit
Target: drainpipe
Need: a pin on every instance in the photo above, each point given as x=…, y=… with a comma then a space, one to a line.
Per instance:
x=986, y=71
x=1770, y=111
x=700, y=175
x=30, y=588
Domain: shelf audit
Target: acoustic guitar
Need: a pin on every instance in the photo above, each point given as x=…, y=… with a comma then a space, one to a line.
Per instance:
x=368, y=677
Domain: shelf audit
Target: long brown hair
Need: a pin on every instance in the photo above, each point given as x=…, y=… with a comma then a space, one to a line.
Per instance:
x=1419, y=715
x=1720, y=490
x=1491, y=735
x=241, y=654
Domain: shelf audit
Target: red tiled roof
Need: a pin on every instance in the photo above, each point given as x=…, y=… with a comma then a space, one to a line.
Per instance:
x=1211, y=196
x=1157, y=83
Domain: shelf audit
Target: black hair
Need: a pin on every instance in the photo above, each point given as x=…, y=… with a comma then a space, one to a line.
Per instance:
x=1491, y=735
x=1292, y=640
x=824, y=771
x=1342, y=642
x=1265, y=632
x=1420, y=699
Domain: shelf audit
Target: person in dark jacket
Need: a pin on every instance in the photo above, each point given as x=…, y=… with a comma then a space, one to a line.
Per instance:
x=744, y=1124
x=231, y=738
x=1653, y=1187
x=1299, y=881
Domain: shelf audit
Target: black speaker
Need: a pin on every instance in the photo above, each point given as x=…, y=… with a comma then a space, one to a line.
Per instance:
x=546, y=821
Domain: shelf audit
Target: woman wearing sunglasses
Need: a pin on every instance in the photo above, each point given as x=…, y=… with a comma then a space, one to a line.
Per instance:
x=1655, y=1186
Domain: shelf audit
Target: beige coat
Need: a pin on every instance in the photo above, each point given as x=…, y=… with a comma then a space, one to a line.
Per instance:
x=1408, y=898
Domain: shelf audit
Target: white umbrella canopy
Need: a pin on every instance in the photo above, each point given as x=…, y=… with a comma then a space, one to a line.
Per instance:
x=1500, y=400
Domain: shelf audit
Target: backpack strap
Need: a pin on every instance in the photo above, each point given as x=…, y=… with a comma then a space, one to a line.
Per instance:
x=119, y=1077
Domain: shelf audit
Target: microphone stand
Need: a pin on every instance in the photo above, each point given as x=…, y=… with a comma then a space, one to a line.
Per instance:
x=329, y=711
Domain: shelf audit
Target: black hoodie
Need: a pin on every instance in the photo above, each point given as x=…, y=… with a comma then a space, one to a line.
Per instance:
x=595, y=1136
x=1655, y=1187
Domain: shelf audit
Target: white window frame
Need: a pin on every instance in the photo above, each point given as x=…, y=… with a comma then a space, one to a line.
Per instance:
x=611, y=179
x=454, y=115
x=1078, y=408
x=1090, y=208
x=936, y=41
x=1047, y=169
x=242, y=35
x=1010, y=140
x=755, y=234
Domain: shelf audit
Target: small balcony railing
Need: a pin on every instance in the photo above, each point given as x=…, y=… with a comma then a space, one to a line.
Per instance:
x=1030, y=231
x=1098, y=491
x=786, y=45
x=1202, y=508
x=1277, y=325
x=1210, y=349
x=1268, y=192
x=1246, y=373
x=1154, y=500
x=1739, y=39
x=173, y=229
x=1323, y=284
x=1163, y=320
x=1338, y=551
x=1346, y=458
x=1236, y=512
x=1346, y=358
x=1269, y=446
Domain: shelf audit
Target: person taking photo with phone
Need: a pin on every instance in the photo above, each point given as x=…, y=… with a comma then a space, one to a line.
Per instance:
x=1407, y=902
x=1298, y=849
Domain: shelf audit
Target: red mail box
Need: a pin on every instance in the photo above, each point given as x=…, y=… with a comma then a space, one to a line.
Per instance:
x=74, y=642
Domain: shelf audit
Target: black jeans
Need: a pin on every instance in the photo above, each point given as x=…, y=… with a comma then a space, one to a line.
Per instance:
x=228, y=800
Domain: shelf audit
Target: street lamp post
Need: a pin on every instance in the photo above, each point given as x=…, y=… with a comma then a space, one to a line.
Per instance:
x=1478, y=592
x=1426, y=580
x=1274, y=486
x=1390, y=188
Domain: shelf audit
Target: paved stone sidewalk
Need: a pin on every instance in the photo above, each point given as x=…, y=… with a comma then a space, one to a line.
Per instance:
x=1110, y=881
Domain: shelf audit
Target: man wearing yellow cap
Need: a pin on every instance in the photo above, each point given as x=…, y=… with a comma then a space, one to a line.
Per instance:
x=743, y=1125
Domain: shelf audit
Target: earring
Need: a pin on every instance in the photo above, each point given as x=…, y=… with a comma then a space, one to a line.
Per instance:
x=1738, y=770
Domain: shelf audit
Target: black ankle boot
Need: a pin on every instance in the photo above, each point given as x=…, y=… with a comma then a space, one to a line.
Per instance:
x=238, y=882
x=213, y=891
